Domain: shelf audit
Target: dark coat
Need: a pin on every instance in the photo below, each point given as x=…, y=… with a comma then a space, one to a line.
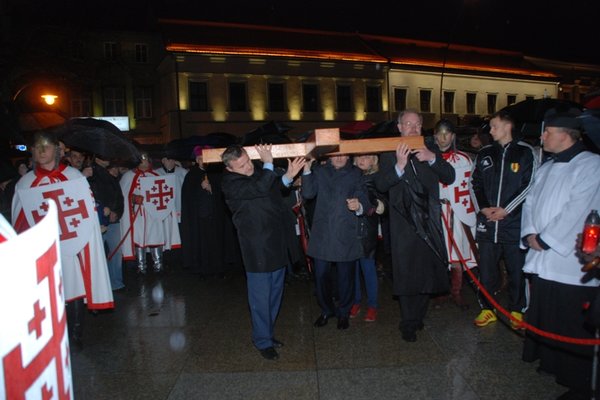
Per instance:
x=203, y=223
x=418, y=249
x=335, y=230
x=257, y=207
x=369, y=221
x=106, y=189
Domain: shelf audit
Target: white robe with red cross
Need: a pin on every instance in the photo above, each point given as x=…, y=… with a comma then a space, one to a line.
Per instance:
x=85, y=274
x=458, y=211
x=140, y=226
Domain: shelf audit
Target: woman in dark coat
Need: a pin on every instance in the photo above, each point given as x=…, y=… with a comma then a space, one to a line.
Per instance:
x=340, y=198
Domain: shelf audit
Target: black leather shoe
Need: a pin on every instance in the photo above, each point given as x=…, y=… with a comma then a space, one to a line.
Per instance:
x=269, y=353
x=409, y=336
x=343, y=323
x=277, y=344
x=322, y=321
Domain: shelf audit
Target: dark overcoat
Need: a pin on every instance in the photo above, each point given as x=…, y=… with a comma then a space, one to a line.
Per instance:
x=257, y=208
x=418, y=252
x=335, y=230
x=203, y=223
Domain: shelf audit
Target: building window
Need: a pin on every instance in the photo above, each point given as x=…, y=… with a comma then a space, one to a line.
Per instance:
x=399, y=99
x=237, y=97
x=198, y=92
x=511, y=99
x=373, y=98
x=449, y=102
x=276, y=93
x=471, y=102
x=81, y=103
x=310, y=97
x=491, y=103
x=110, y=51
x=425, y=100
x=344, y=98
x=141, y=53
x=143, y=102
x=529, y=97
x=114, y=101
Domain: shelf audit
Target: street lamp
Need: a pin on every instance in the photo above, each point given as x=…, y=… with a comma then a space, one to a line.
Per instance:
x=50, y=99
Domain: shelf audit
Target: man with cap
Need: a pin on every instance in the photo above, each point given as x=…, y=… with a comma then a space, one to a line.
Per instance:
x=502, y=176
x=565, y=189
x=144, y=231
x=85, y=274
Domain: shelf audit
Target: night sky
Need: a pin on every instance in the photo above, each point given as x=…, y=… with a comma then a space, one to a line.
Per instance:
x=567, y=30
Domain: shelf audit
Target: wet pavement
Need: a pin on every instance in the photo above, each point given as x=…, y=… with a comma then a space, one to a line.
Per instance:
x=174, y=336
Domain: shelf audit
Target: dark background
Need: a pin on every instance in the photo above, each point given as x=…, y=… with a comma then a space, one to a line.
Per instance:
x=567, y=30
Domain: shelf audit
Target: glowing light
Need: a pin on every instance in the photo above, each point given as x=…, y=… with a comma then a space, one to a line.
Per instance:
x=49, y=98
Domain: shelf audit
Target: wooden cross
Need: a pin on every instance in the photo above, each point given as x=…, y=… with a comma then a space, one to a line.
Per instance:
x=324, y=142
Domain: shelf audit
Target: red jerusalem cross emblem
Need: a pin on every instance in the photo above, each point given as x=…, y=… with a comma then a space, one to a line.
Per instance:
x=39, y=366
x=70, y=212
x=462, y=195
x=160, y=194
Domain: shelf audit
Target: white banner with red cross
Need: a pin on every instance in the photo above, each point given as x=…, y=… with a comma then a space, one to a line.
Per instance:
x=34, y=346
x=75, y=206
x=159, y=195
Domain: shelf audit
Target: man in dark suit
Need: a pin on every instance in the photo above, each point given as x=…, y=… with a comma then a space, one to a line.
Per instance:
x=254, y=197
x=418, y=251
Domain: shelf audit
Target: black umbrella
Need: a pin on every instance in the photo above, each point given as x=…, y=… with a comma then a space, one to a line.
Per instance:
x=271, y=132
x=183, y=149
x=381, y=129
x=590, y=120
x=98, y=137
x=529, y=114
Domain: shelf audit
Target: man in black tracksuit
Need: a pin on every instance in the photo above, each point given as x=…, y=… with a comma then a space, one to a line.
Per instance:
x=502, y=176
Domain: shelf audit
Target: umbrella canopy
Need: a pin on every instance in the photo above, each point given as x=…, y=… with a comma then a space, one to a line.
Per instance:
x=98, y=137
x=271, y=132
x=381, y=129
x=529, y=114
x=590, y=120
x=183, y=149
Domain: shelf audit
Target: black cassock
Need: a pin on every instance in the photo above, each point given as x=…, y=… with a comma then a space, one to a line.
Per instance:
x=207, y=234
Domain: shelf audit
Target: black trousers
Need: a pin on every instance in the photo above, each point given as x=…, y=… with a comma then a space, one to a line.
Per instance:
x=412, y=309
x=343, y=292
x=489, y=273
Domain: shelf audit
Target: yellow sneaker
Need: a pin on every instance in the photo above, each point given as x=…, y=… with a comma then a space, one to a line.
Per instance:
x=514, y=324
x=485, y=317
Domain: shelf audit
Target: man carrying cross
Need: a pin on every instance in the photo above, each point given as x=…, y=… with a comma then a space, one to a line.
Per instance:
x=418, y=252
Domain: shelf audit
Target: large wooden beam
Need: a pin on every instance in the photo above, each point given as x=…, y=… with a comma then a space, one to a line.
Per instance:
x=320, y=142
x=324, y=142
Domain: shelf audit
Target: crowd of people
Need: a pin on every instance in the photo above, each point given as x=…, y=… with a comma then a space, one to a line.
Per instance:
x=441, y=210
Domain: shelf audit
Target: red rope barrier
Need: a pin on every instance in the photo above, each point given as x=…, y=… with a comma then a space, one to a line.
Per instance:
x=493, y=302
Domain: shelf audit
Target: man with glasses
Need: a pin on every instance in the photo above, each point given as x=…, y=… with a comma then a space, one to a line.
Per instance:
x=418, y=251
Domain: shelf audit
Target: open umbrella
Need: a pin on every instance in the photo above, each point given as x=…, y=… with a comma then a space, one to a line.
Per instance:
x=381, y=129
x=98, y=137
x=183, y=149
x=271, y=132
x=529, y=114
